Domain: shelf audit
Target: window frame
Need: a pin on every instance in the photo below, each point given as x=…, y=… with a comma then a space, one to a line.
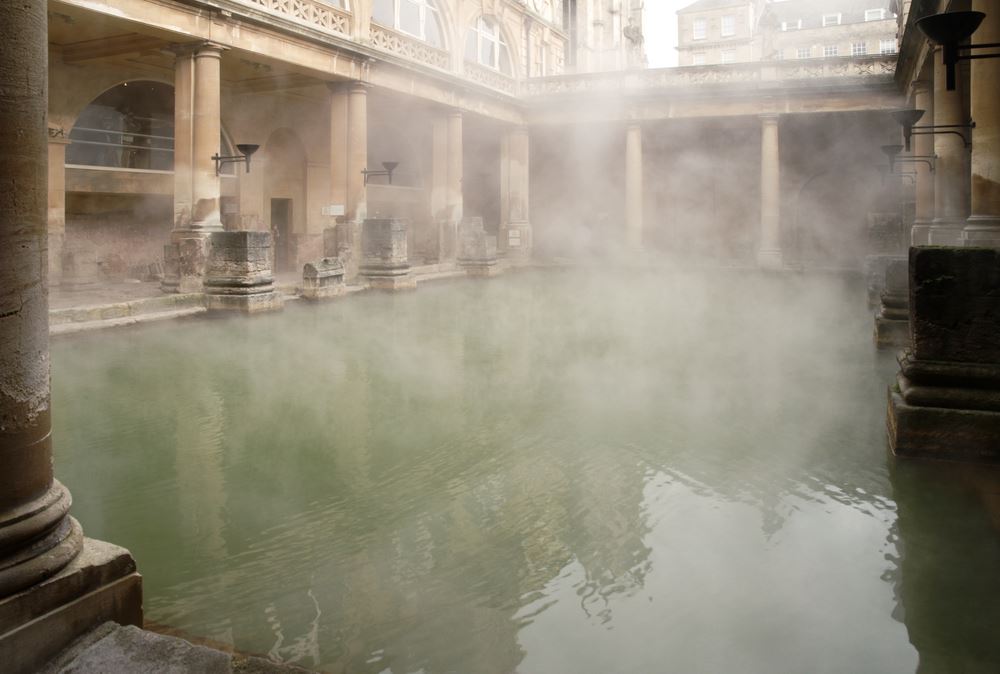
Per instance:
x=836, y=16
x=722, y=25
x=831, y=50
x=800, y=50
x=723, y=56
x=791, y=25
x=880, y=17
x=862, y=52
x=698, y=58
x=893, y=46
x=501, y=48
x=695, y=24
x=426, y=11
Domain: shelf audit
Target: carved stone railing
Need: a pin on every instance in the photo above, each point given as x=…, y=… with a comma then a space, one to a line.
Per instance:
x=490, y=78
x=758, y=72
x=312, y=13
x=409, y=47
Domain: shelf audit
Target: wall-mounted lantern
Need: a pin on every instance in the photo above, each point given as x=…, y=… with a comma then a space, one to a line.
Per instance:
x=246, y=151
x=907, y=118
x=389, y=167
x=892, y=153
x=948, y=29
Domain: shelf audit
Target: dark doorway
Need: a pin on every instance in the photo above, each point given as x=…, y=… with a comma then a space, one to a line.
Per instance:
x=281, y=229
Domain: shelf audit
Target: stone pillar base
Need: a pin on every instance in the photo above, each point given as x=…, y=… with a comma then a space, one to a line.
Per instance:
x=942, y=433
x=392, y=283
x=250, y=303
x=875, y=266
x=892, y=324
x=515, y=240
x=769, y=259
x=101, y=584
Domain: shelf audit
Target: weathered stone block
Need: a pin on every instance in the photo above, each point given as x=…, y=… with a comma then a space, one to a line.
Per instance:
x=955, y=304
x=323, y=279
x=477, y=250
x=384, y=258
x=516, y=239
x=942, y=433
x=238, y=274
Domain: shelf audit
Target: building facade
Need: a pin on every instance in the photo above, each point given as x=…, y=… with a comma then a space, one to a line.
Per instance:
x=719, y=32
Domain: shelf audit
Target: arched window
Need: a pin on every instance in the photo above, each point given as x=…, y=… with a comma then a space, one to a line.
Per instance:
x=485, y=45
x=130, y=126
x=418, y=18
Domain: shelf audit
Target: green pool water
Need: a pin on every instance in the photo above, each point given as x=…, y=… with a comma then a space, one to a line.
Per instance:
x=554, y=471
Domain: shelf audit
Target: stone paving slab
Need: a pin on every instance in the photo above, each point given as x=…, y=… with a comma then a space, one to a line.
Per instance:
x=115, y=649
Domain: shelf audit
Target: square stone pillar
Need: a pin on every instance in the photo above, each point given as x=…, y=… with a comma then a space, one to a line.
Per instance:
x=892, y=322
x=55, y=585
x=238, y=275
x=477, y=250
x=946, y=402
x=515, y=239
x=385, y=260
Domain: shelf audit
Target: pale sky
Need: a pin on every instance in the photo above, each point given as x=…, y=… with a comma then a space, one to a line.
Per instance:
x=660, y=29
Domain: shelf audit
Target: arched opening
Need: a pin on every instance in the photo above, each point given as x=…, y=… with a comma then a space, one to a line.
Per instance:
x=130, y=126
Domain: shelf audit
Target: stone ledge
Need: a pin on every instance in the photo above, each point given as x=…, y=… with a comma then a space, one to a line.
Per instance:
x=101, y=584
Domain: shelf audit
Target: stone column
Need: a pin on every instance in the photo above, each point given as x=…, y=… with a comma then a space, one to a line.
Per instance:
x=435, y=240
x=54, y=584
x=983, y=225
x=356, y=195
x=207, y=130
x=183, y=137
x=197, y=190
x=453, y=193
x=633, y=186
x=57, y=206
x=515, y=227
x=950, y=207
x=37, y=536
x=923, y=145
x=769, y=253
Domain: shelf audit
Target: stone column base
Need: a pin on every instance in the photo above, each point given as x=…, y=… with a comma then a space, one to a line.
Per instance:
x=920, y=234
x=892, y=324
x=945, y=234
x=101, y=584
x=769, y=259
x=982, y=232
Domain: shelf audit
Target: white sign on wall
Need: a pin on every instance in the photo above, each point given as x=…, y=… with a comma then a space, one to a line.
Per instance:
x=332, y=209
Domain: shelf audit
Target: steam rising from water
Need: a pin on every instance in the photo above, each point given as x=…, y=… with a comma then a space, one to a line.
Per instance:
x=577, y=470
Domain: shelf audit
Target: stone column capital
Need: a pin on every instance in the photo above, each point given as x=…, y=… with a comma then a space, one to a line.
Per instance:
x=348, y=87
x=199, y=48
x=58, y=136
x=455, y=112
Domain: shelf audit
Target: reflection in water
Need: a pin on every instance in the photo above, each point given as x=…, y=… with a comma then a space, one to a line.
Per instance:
x=553, y=472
